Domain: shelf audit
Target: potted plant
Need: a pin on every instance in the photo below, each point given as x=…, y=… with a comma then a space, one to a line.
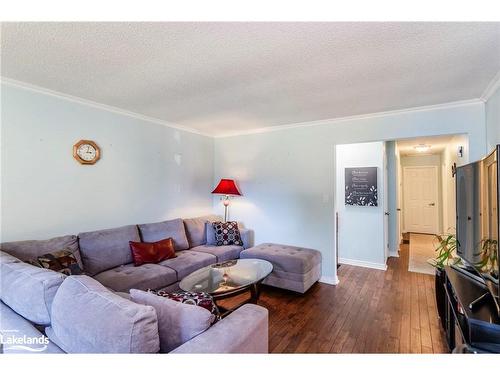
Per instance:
x=489, y=257
x=445, y=256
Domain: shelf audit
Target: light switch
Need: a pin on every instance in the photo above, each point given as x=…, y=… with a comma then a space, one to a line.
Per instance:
x=178, y=159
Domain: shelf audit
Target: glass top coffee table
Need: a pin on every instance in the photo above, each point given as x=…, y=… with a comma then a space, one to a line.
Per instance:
x=227, y=279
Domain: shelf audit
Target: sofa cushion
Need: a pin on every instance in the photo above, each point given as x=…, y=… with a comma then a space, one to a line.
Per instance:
x=60, y=261
x=177, y=322
x=152, y=252
x=7, y=258
x=28, y=250
x=147, y=276
x=187, y=262
x=88, y=318
x=196, y=231
x=222, y=253
x=108, y=248
x=29, y=290
x=14, y=330
x=284, y=257
x=166, y=229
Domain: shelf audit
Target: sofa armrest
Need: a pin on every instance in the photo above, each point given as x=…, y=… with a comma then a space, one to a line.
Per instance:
x=246, y=238
x=243, y=331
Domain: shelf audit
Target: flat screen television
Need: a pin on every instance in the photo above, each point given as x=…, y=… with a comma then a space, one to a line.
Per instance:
x=478, y=219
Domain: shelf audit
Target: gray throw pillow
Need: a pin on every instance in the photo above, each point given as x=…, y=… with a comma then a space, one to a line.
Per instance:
x=211, y=241
x=177, y=322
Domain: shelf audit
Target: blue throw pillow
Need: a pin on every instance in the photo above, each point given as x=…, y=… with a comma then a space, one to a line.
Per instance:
x=211, y=241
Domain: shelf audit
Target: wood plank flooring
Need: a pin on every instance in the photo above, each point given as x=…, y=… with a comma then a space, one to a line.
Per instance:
x=370, y=311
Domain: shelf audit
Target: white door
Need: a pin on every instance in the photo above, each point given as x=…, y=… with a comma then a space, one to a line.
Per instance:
x=420, y=194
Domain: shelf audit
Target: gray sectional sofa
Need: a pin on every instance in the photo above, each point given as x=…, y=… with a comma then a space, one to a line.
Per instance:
x=94, y=313
x=105, y=254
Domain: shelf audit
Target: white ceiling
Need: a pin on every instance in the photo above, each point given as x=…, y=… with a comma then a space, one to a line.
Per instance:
x=438, y=145
x=226, y=77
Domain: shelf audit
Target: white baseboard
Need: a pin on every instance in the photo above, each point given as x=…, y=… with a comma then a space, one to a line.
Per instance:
x=329, y=280
x=362, y=263
x=394, y=254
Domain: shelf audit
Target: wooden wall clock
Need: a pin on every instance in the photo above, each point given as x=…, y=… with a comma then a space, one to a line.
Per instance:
x=86, y=152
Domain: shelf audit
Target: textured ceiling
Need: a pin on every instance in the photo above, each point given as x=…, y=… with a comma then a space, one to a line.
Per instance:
x=225, y=77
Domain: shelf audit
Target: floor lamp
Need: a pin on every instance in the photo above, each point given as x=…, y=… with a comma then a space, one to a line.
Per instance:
x=226, y=188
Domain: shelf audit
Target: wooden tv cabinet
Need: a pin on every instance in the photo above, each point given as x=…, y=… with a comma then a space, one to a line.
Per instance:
x=469, y=330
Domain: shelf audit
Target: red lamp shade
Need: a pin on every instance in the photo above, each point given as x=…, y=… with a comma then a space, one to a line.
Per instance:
x=226, y=187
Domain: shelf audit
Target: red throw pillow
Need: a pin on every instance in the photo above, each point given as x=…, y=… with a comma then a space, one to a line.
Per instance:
x=152, y=252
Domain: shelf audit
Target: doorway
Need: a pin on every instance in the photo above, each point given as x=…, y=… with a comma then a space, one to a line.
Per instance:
x=426, y=194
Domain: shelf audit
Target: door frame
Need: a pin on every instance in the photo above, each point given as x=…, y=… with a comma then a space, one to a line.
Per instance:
x=385, y=202
x=405, y=204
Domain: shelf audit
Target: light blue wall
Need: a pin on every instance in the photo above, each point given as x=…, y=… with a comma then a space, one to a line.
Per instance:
x=493, y=119
x=361, y=228
x=287, y=177
x=147, y=171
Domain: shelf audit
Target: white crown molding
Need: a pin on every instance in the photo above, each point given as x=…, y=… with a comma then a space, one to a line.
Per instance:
x=333, y=121
x=329, y=280
x=27, y=86
x=492, y=87
x=90, y=103
x=362, y=263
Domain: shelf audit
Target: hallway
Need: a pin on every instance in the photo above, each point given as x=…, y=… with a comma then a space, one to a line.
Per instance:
x=422, y=248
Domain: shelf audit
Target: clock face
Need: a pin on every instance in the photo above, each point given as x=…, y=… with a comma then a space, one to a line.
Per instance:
x=86, y=152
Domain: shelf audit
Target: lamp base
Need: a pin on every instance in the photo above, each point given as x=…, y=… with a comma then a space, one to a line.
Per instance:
x=225, y=202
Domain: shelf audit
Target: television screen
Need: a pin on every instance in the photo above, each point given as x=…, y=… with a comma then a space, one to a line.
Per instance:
x=477, y=217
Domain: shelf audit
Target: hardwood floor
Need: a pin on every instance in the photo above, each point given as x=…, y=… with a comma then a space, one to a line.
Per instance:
x=370, y=311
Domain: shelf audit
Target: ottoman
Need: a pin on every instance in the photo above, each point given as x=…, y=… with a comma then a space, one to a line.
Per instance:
x=295, y=268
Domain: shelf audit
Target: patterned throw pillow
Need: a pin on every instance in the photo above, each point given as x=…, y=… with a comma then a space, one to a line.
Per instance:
x=60, y=261
x=204, y=300
x=227, y=233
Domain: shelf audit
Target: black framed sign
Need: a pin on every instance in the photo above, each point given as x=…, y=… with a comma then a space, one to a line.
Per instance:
x=361, y=186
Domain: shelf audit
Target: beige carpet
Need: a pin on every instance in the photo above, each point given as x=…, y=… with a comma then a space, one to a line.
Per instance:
x=421, y=248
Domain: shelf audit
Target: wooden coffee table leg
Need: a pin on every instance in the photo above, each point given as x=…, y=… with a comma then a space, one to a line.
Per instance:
x=255, y=292
x=254, y=298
